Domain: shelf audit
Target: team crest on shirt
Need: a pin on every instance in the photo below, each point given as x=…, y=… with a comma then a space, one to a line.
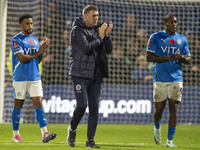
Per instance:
x=179, y=41
x=35, y=42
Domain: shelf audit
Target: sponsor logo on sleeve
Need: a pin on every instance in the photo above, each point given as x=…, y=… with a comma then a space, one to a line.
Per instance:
x=15, y=45
x=149, y=42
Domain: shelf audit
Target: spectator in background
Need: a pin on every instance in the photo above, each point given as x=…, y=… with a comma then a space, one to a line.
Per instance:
x=66, y=37
x=129, y=35
x=190, y=38
x=131, y=27
x=191, y=73
x=133, y=48
x=136, y=45
x=143, y=71
x=119, y=64
x=196, y=55
x=195, y=64
x=54, y=71
x=143, y=36
x=132, y=40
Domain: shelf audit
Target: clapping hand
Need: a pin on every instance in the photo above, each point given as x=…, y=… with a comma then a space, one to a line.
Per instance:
x=177, y=56
x=108, y=29
x=104, y=30
x=44, y=45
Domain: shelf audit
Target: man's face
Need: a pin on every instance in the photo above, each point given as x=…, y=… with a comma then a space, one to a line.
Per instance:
x=53, y=7
x=27, y=26
x=171, y=24
x=91, y=18
x=131, y=21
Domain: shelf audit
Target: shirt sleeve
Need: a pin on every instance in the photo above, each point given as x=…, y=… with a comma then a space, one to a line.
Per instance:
x=152, y=44
x=16, y=46
x=186, y=48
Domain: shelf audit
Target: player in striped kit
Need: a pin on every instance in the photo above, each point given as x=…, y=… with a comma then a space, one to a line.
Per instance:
x=26, y=55
x=167, y=50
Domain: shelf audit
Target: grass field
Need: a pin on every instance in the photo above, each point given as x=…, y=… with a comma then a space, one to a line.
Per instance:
x=108, y=137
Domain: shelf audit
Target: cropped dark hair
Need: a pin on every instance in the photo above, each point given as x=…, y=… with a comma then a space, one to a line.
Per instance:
x=24, y=16
x=88, y=8
x=170, y=15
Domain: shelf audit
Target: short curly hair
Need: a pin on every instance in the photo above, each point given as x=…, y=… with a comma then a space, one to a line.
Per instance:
x=24, y=16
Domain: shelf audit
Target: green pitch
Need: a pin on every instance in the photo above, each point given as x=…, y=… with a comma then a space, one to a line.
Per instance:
x=108, y=137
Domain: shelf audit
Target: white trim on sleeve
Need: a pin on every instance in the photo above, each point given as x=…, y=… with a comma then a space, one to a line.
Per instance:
x=152, y=51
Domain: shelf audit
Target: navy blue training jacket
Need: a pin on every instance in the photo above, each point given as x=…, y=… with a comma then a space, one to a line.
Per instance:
x=84, y=42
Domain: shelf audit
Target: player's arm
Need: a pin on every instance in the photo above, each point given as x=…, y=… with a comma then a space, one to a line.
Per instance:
x=151, y=57
x=44, y=44
x=26, y=58
x=151, y=50
x=186, y=59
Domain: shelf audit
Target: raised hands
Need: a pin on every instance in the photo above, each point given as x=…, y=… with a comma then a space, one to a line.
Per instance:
x=108, y=29
x=104, y=30
x=44, y=45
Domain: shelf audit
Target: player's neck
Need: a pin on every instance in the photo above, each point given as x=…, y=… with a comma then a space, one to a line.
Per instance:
x=25, y=33
x=88, y=24
x=169, y=32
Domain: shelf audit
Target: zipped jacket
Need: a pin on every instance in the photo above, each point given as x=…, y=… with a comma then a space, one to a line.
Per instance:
x=85, y=42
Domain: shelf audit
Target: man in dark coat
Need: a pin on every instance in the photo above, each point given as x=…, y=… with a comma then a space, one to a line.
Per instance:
x=90, y=43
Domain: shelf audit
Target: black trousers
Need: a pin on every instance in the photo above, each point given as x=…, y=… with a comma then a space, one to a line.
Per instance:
x=87, y=92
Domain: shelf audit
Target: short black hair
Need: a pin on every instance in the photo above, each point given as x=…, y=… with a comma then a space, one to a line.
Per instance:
x=24, y=16
x=170, y=15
